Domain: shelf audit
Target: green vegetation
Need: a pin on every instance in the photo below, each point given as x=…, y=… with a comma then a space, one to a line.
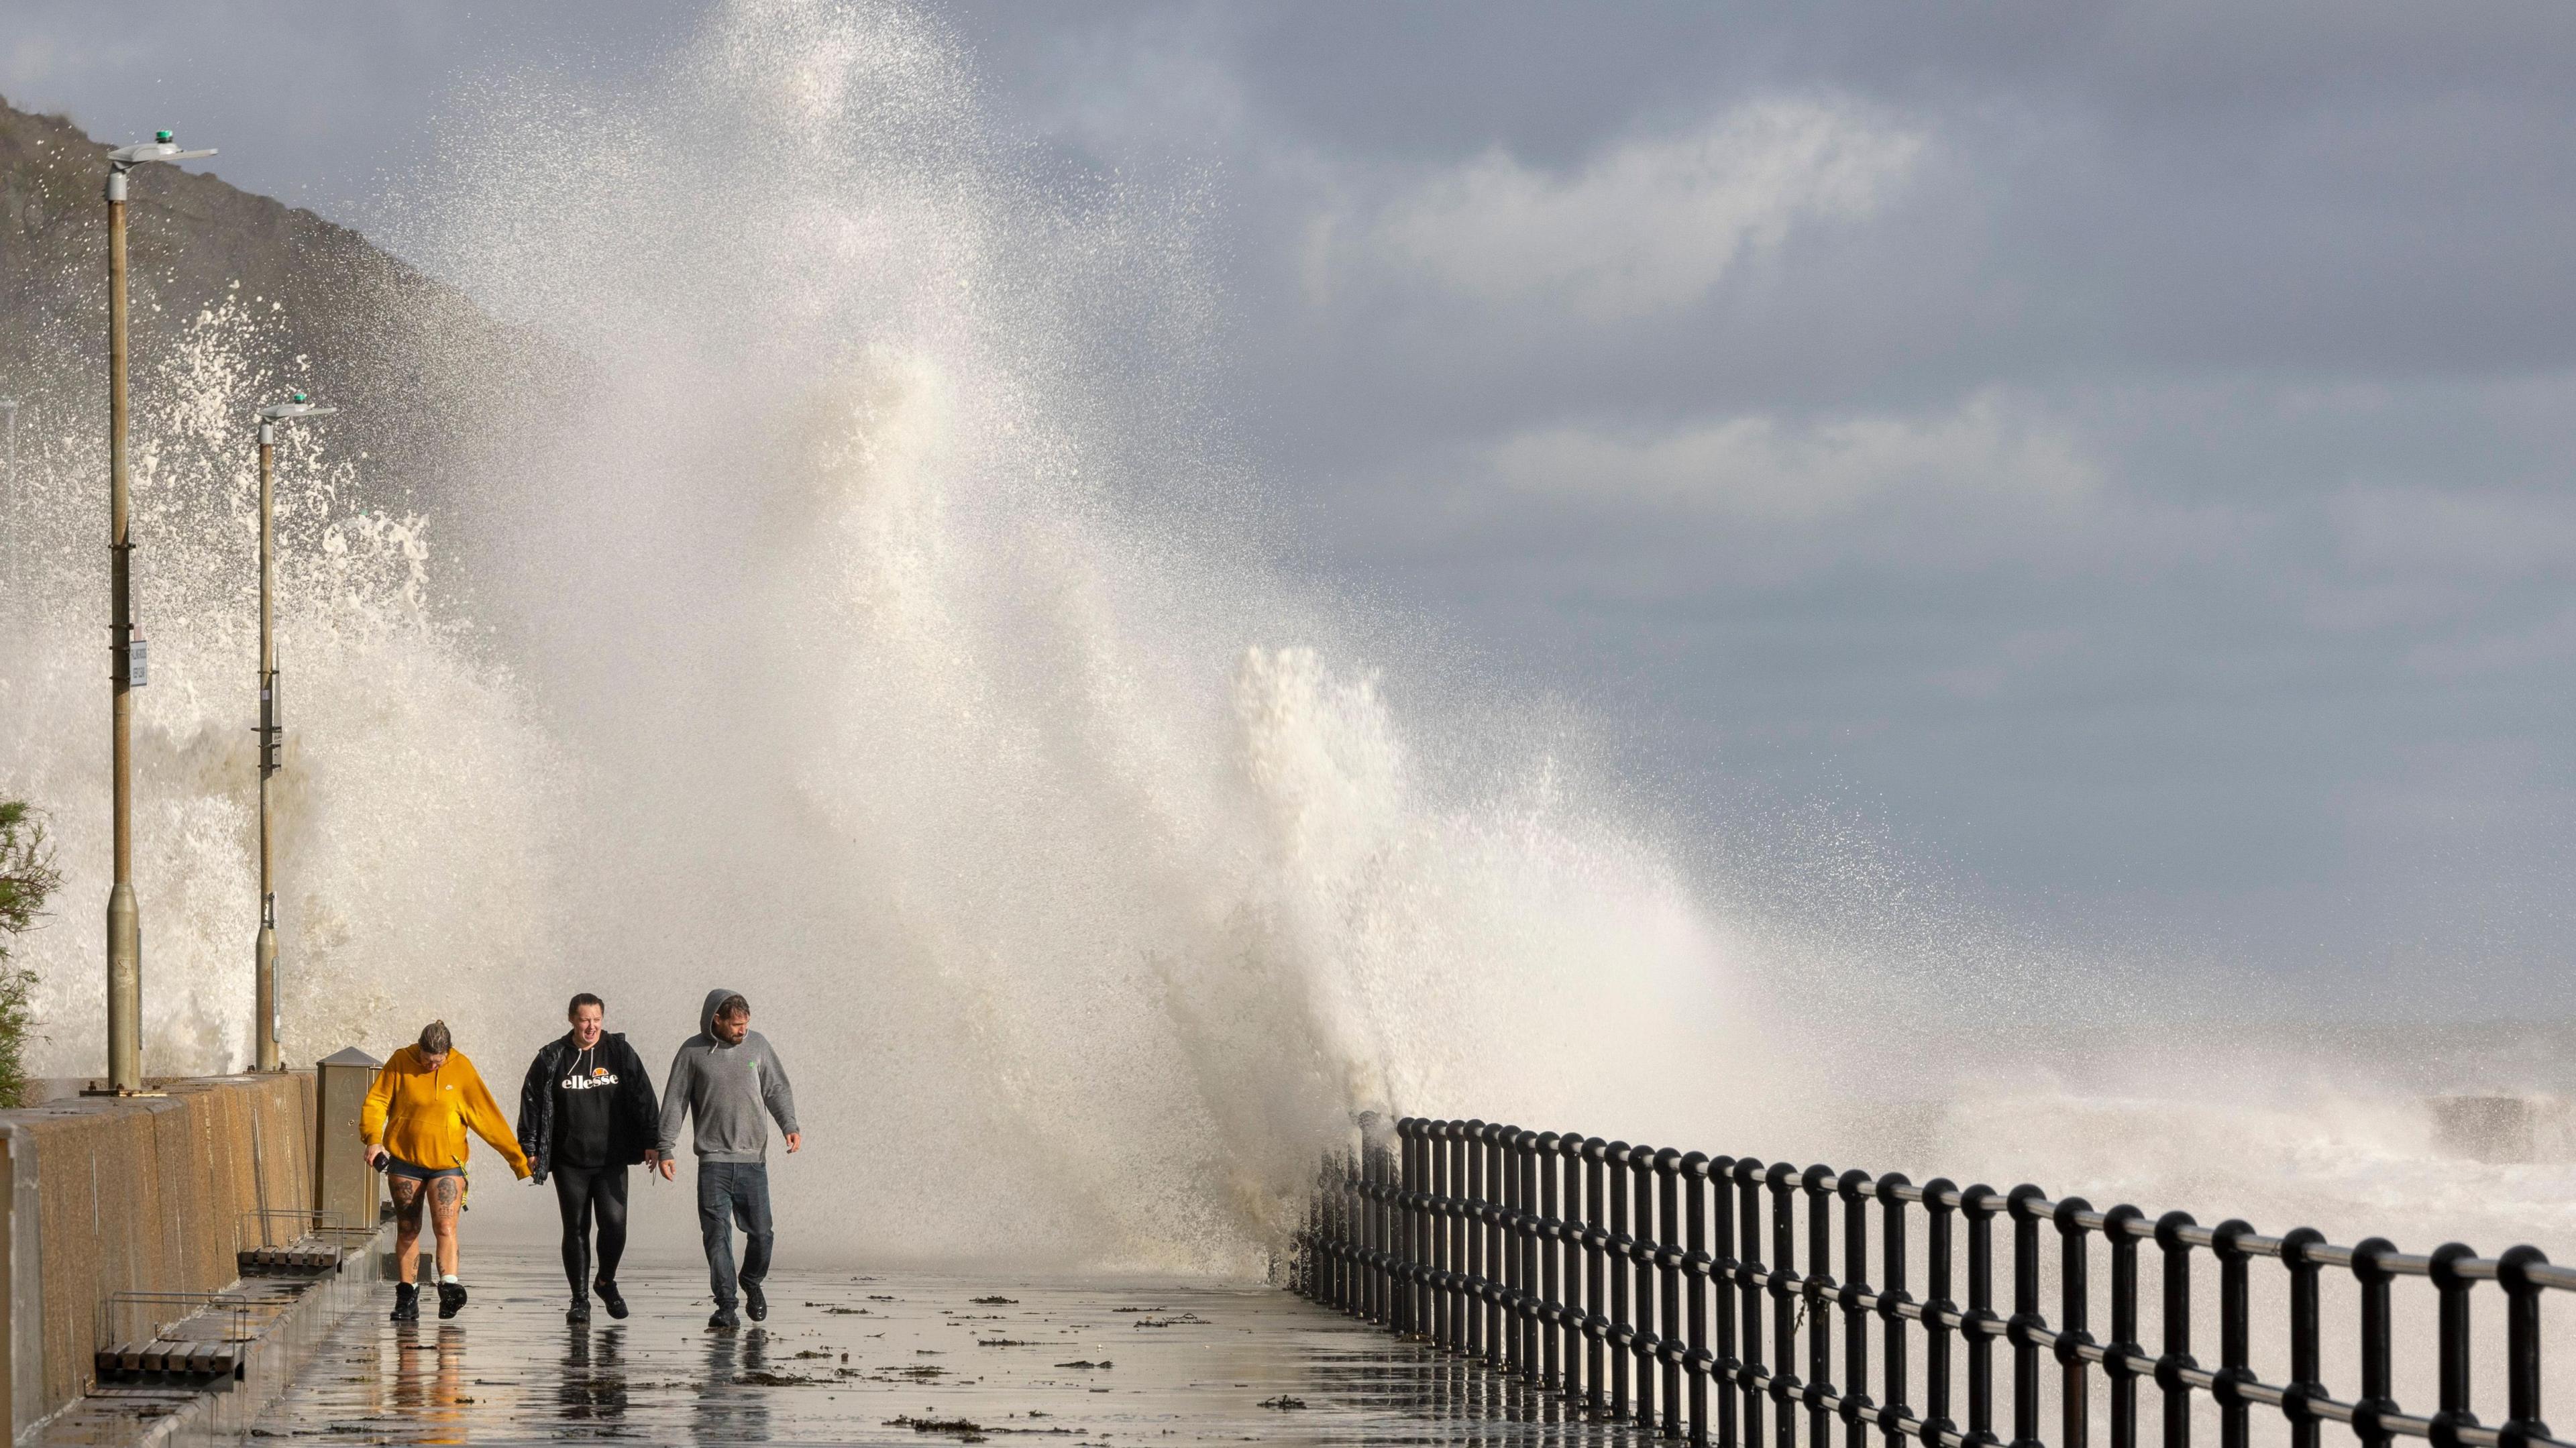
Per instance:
x=27, y=877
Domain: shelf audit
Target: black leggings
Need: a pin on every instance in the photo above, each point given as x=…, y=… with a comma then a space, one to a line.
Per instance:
x=585, y=1193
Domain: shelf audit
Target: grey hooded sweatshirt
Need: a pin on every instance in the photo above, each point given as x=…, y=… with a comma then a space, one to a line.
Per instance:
x=728, y=1087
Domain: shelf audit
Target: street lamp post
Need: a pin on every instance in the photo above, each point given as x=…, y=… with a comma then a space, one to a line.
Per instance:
x=272, y=726
x=124, y=921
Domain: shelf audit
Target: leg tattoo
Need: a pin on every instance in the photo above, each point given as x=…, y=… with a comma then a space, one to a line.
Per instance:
x=446, y=1195
x=407, y=1203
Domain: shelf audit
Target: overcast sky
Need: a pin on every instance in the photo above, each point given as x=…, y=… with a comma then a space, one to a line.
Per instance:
x=2123, y=450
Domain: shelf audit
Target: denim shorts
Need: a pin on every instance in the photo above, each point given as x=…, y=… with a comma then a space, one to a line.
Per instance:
x=397, y=1167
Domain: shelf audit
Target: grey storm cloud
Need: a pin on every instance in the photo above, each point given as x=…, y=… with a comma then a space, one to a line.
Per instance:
x=2126, y=447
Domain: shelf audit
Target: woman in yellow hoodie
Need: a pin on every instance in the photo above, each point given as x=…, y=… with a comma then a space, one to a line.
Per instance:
x=414, y=1125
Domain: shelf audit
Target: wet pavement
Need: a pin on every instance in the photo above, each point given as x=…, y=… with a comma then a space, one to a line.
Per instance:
x=849, y=1357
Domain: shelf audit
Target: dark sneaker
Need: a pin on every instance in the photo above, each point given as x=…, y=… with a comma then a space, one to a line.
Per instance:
x=723, y=1321
x=451, y=1299
x=754, y=1303
x=406, y=1302
x=579, y=1312
x=607, y=1291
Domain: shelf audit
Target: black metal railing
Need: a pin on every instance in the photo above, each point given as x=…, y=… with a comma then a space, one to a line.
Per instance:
x=1634, y=1282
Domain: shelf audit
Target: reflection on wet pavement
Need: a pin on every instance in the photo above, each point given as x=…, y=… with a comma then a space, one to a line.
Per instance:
x=890, y=1358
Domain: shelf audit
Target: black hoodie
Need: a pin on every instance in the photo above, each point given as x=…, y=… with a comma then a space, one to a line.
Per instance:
x=633, y=1114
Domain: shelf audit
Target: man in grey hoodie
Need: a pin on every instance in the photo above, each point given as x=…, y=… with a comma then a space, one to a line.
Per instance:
x=728, y=1076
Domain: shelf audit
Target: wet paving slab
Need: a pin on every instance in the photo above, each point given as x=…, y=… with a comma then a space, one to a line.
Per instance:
x=858, y=1357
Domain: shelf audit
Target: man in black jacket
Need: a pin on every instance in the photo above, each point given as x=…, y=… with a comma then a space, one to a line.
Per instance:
x=586, y=1114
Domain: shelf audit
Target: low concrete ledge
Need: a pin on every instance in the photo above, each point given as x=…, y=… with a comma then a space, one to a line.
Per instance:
x=290, y=1319
x=107, y=1197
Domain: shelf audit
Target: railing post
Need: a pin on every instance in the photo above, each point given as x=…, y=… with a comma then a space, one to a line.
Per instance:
x=1424, y=1174
x=1537, y=1297
x=1363, y=1289
x=1355, y=1228
x=1408, y=1258
x=2522, y=1422
x=1444, y=1280
x=2236, y=1332
x=1353, y=1232
x=1939, y=1310
x=1752, y=1281
x=1782, y=1179
x=1856, y=1320
x=1498, y=1265
x=1426, y=1300
x=1471, y=1149
x=1816, y=1298
x=2452, y=1292
x=1543, y=1260
x=2121, y=1359
x=1853, y=1188
x=1622, y=1332
x=2306, y=1337
x=1373, y=1217
x=1578, y=1251
x=1552, y=1282
x=1669, y=1257
x=1697, y=1262
x=2024, y=1203
x=1644, y=1344
x=1723, y=1270
x=1507, y=1237
x=1382, y=1234
x=2369, y=1414
x=1471, y=1237
x=1525, y=1298
x=1390, y=1232
x=2177, y=1316
x=2074, y=1271
x=1892, y=1299
x=1462, y=1227
x=1979, y=1205
x=1596, y=1253
x=1502, y=1312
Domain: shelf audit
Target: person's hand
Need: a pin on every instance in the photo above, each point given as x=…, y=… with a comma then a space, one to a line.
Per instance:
x=650, y=1157
x=670, y=1169
x=375, y=1154
x=795, y=1139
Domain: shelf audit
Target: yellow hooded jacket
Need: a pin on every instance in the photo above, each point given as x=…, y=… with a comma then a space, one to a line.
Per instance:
x=421, y=1115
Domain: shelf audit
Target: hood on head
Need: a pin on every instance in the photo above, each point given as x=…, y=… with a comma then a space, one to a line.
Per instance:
x=707, y=1012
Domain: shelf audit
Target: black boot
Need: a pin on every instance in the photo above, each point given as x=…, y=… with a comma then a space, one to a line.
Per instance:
x=406, y=1302
x=607, y=1291
x=754, y=1303
x=451, y=1299
x=579, y=1312
x=723, y=1320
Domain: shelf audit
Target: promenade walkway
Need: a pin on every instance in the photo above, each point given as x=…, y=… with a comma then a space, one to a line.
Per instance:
x=857, y=1357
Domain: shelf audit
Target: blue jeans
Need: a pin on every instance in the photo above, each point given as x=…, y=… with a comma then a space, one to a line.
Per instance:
x=734, y=1194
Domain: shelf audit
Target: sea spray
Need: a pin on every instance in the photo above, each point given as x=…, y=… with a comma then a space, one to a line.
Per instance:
x=915, y=628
